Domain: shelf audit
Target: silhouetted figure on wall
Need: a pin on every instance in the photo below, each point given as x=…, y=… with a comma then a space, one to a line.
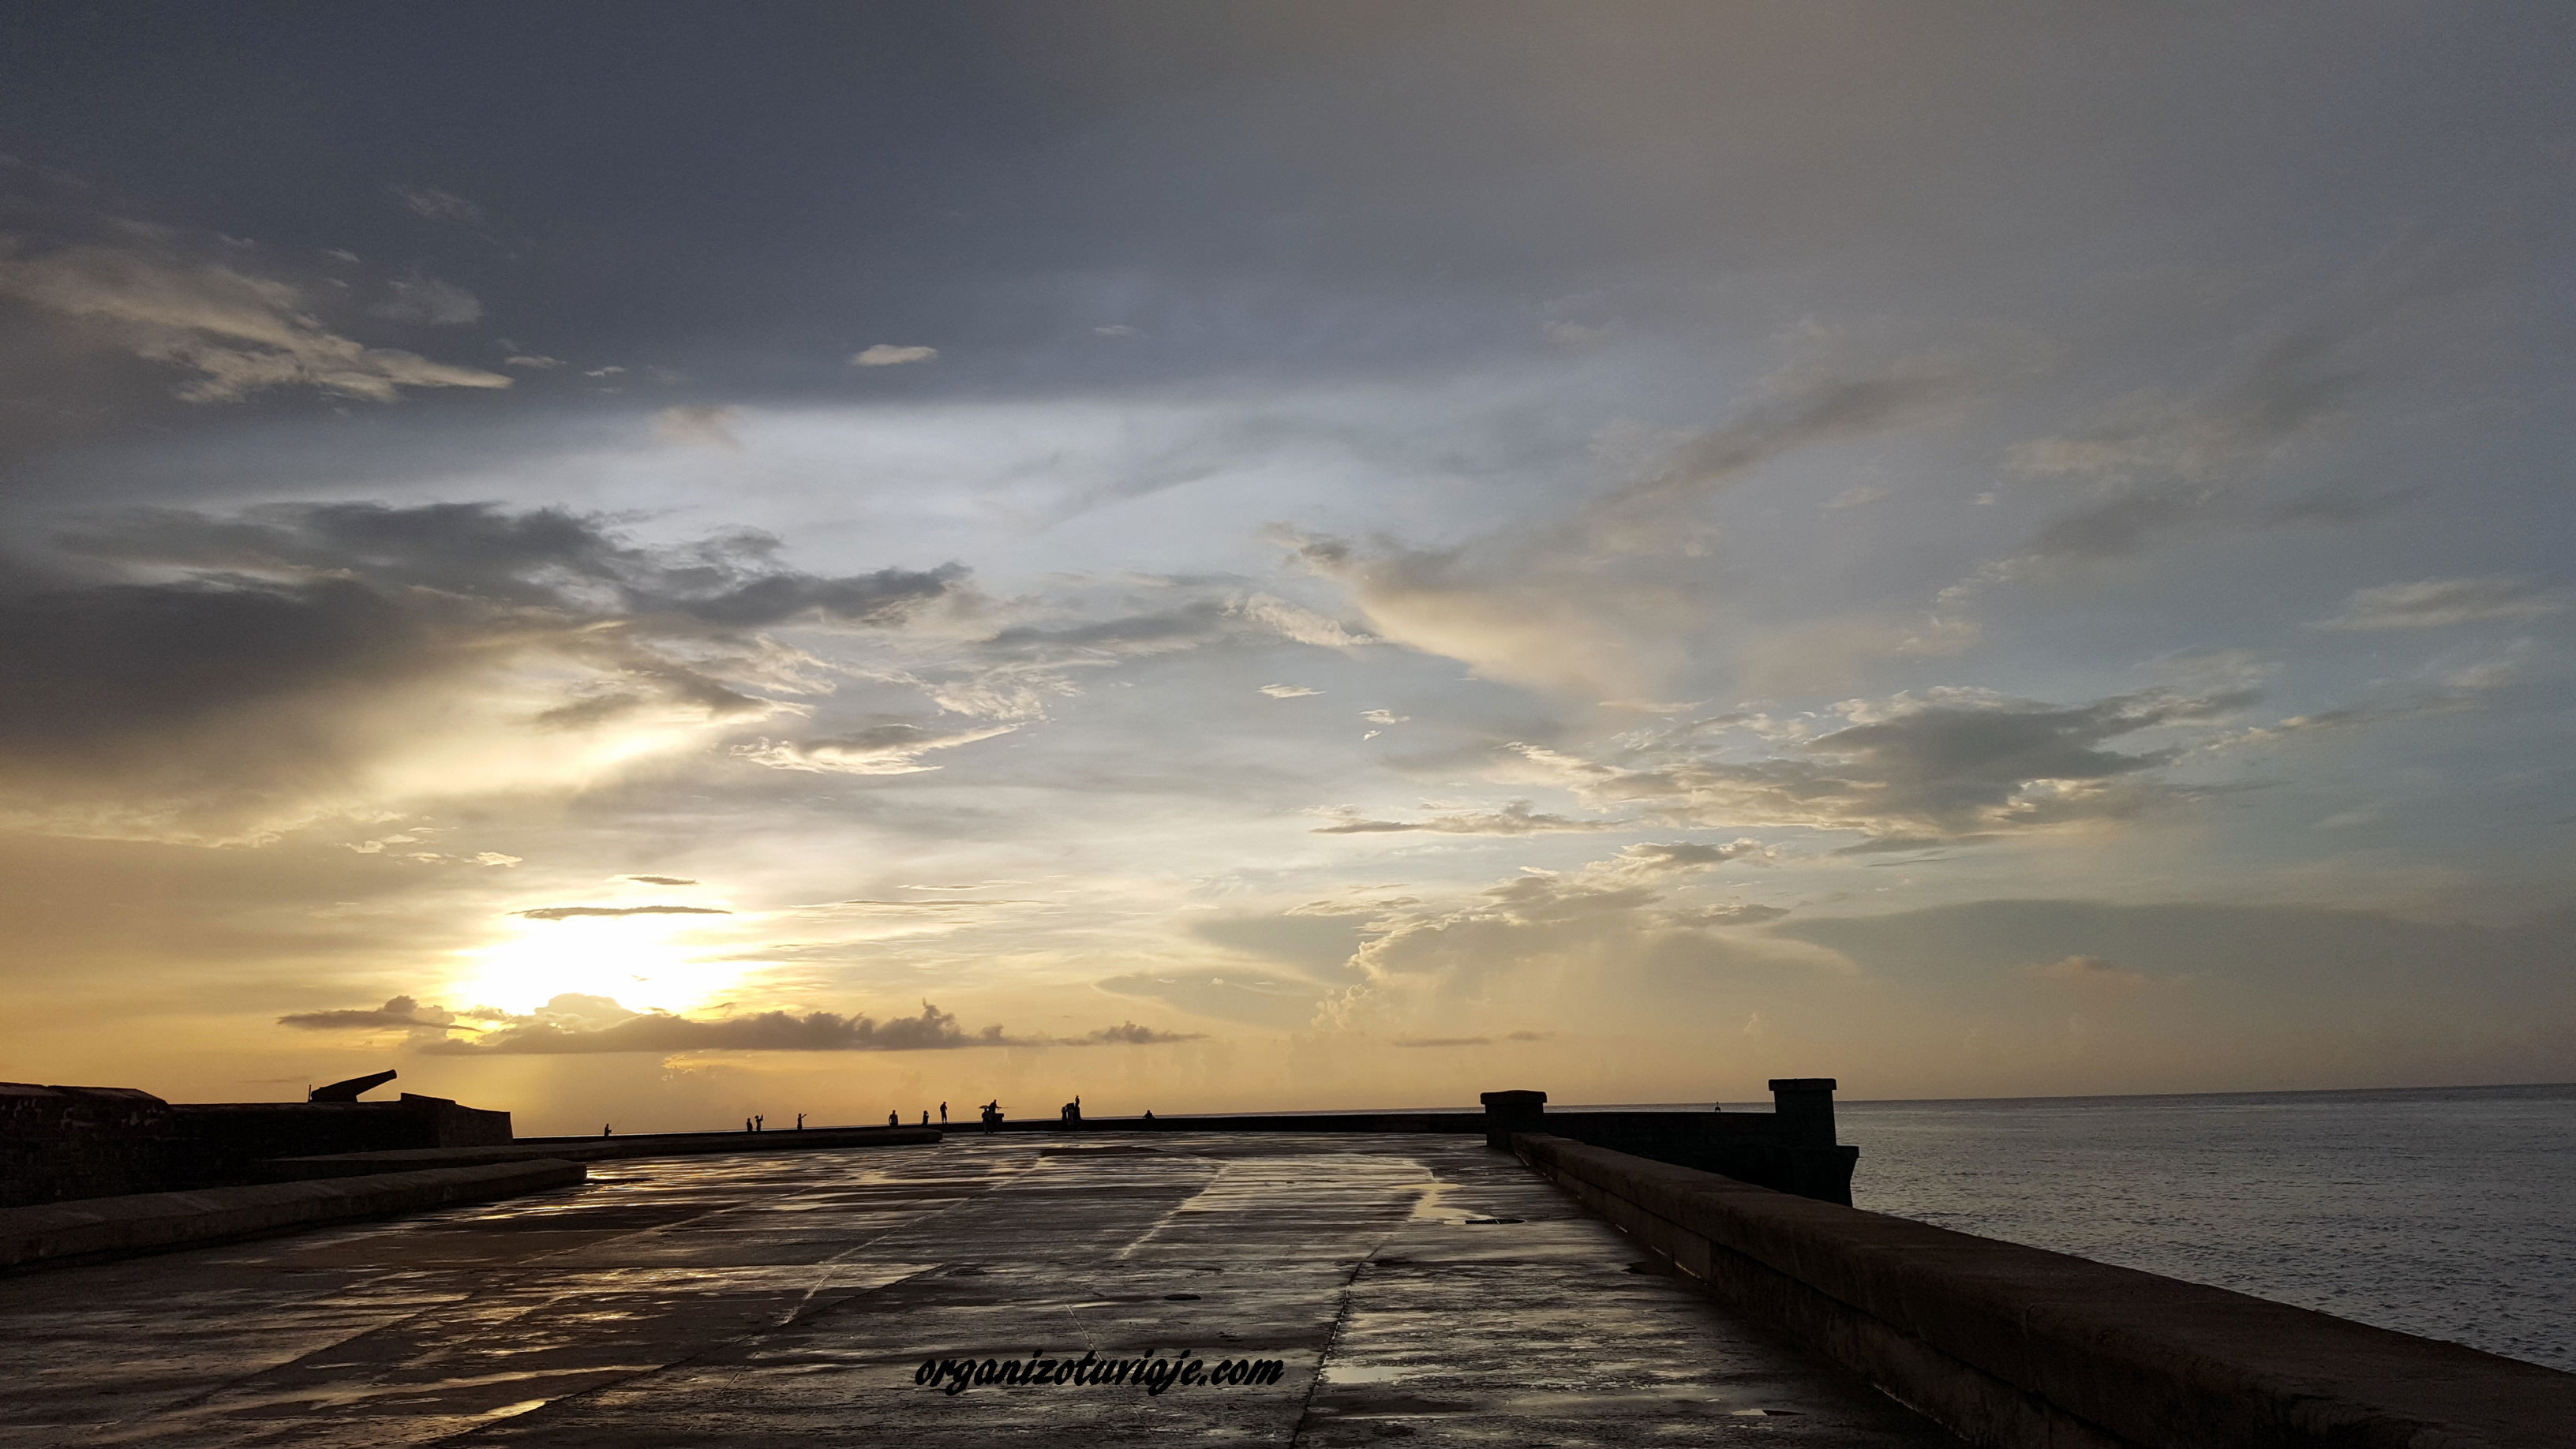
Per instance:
x=746, y=1124
x=1149, y=1114
x=993, y=1115
x=759, y=1123
x=604, y=1129
x=894, y=1119
x=800, y=1121
x=925, y=1116
x=1072, y=1113
x=943, y=1114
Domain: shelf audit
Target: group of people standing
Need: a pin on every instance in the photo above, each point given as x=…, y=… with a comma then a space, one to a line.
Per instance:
x=990, y=1114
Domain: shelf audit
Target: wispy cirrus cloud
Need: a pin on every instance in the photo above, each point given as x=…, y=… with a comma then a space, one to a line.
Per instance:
x=567, y=913
x=2444, y=603
x=886, y=749
x=240, y=333
x=1515, y=818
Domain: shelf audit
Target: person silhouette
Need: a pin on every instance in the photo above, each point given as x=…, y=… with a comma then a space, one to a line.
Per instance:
x=746, y=1124
x=925, y=1116
x=943, y=1114
x=894, y=1119
x=759, y=1123
x=800, y=1121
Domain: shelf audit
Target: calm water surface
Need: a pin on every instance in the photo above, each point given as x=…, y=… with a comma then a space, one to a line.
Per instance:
x=2448, y=1212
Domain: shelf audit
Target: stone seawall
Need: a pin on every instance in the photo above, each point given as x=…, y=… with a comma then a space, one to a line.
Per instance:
x=2018, y=1348
x=153, y=1222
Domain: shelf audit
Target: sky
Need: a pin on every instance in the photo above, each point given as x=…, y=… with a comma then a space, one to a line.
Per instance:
x=646, y=563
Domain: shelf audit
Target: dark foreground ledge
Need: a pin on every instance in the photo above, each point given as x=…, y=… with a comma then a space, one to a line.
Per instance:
x=93, y=1229
x=2021, y=1348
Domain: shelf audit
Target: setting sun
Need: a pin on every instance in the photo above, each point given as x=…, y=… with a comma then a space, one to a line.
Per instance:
x=643, y=962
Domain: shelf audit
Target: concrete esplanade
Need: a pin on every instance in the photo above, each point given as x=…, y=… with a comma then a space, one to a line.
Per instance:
x=1512, y=1276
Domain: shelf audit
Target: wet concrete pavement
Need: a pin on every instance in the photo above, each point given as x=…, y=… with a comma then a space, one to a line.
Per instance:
x=1413, y=1289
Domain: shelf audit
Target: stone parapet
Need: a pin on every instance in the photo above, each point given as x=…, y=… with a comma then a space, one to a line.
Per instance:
x=94, y=1229
x=2019, y=1348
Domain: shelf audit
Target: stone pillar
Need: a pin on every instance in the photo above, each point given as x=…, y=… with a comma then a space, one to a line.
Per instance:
x=1805, y=1106
x=1510, y=1112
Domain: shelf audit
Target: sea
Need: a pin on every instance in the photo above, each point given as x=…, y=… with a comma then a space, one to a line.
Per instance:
x=2448, y=1212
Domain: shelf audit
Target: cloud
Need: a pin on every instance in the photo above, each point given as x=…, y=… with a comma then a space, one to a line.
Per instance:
x=662, y=880
x=886, y=749
x=567, y=913
x=190, y=677
x=1951, y=767
x=429, y=302
x=401, y=1011
x=2441, y=603
x=1385, y=717
x=1288, y=691
x=573, y=1025
x=1575, y=337
x=1304, y=626
x=1609, y=602
x=1612, y=912
x=533, y=360
x=699, y=424
x=2159, y=461
x=1442, y=1041
x=2092, y=971
x=1516, y=818
x=1130, y=1034
x=431, y=204
x=1650, y=859
x=1115, y=329
x=1719, y=917
x=239, y=333
x=887, y=354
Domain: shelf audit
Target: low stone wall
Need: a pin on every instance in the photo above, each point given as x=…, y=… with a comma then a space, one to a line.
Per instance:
x=152, y=1222
x=2017, y=1348
x=596, y=1149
